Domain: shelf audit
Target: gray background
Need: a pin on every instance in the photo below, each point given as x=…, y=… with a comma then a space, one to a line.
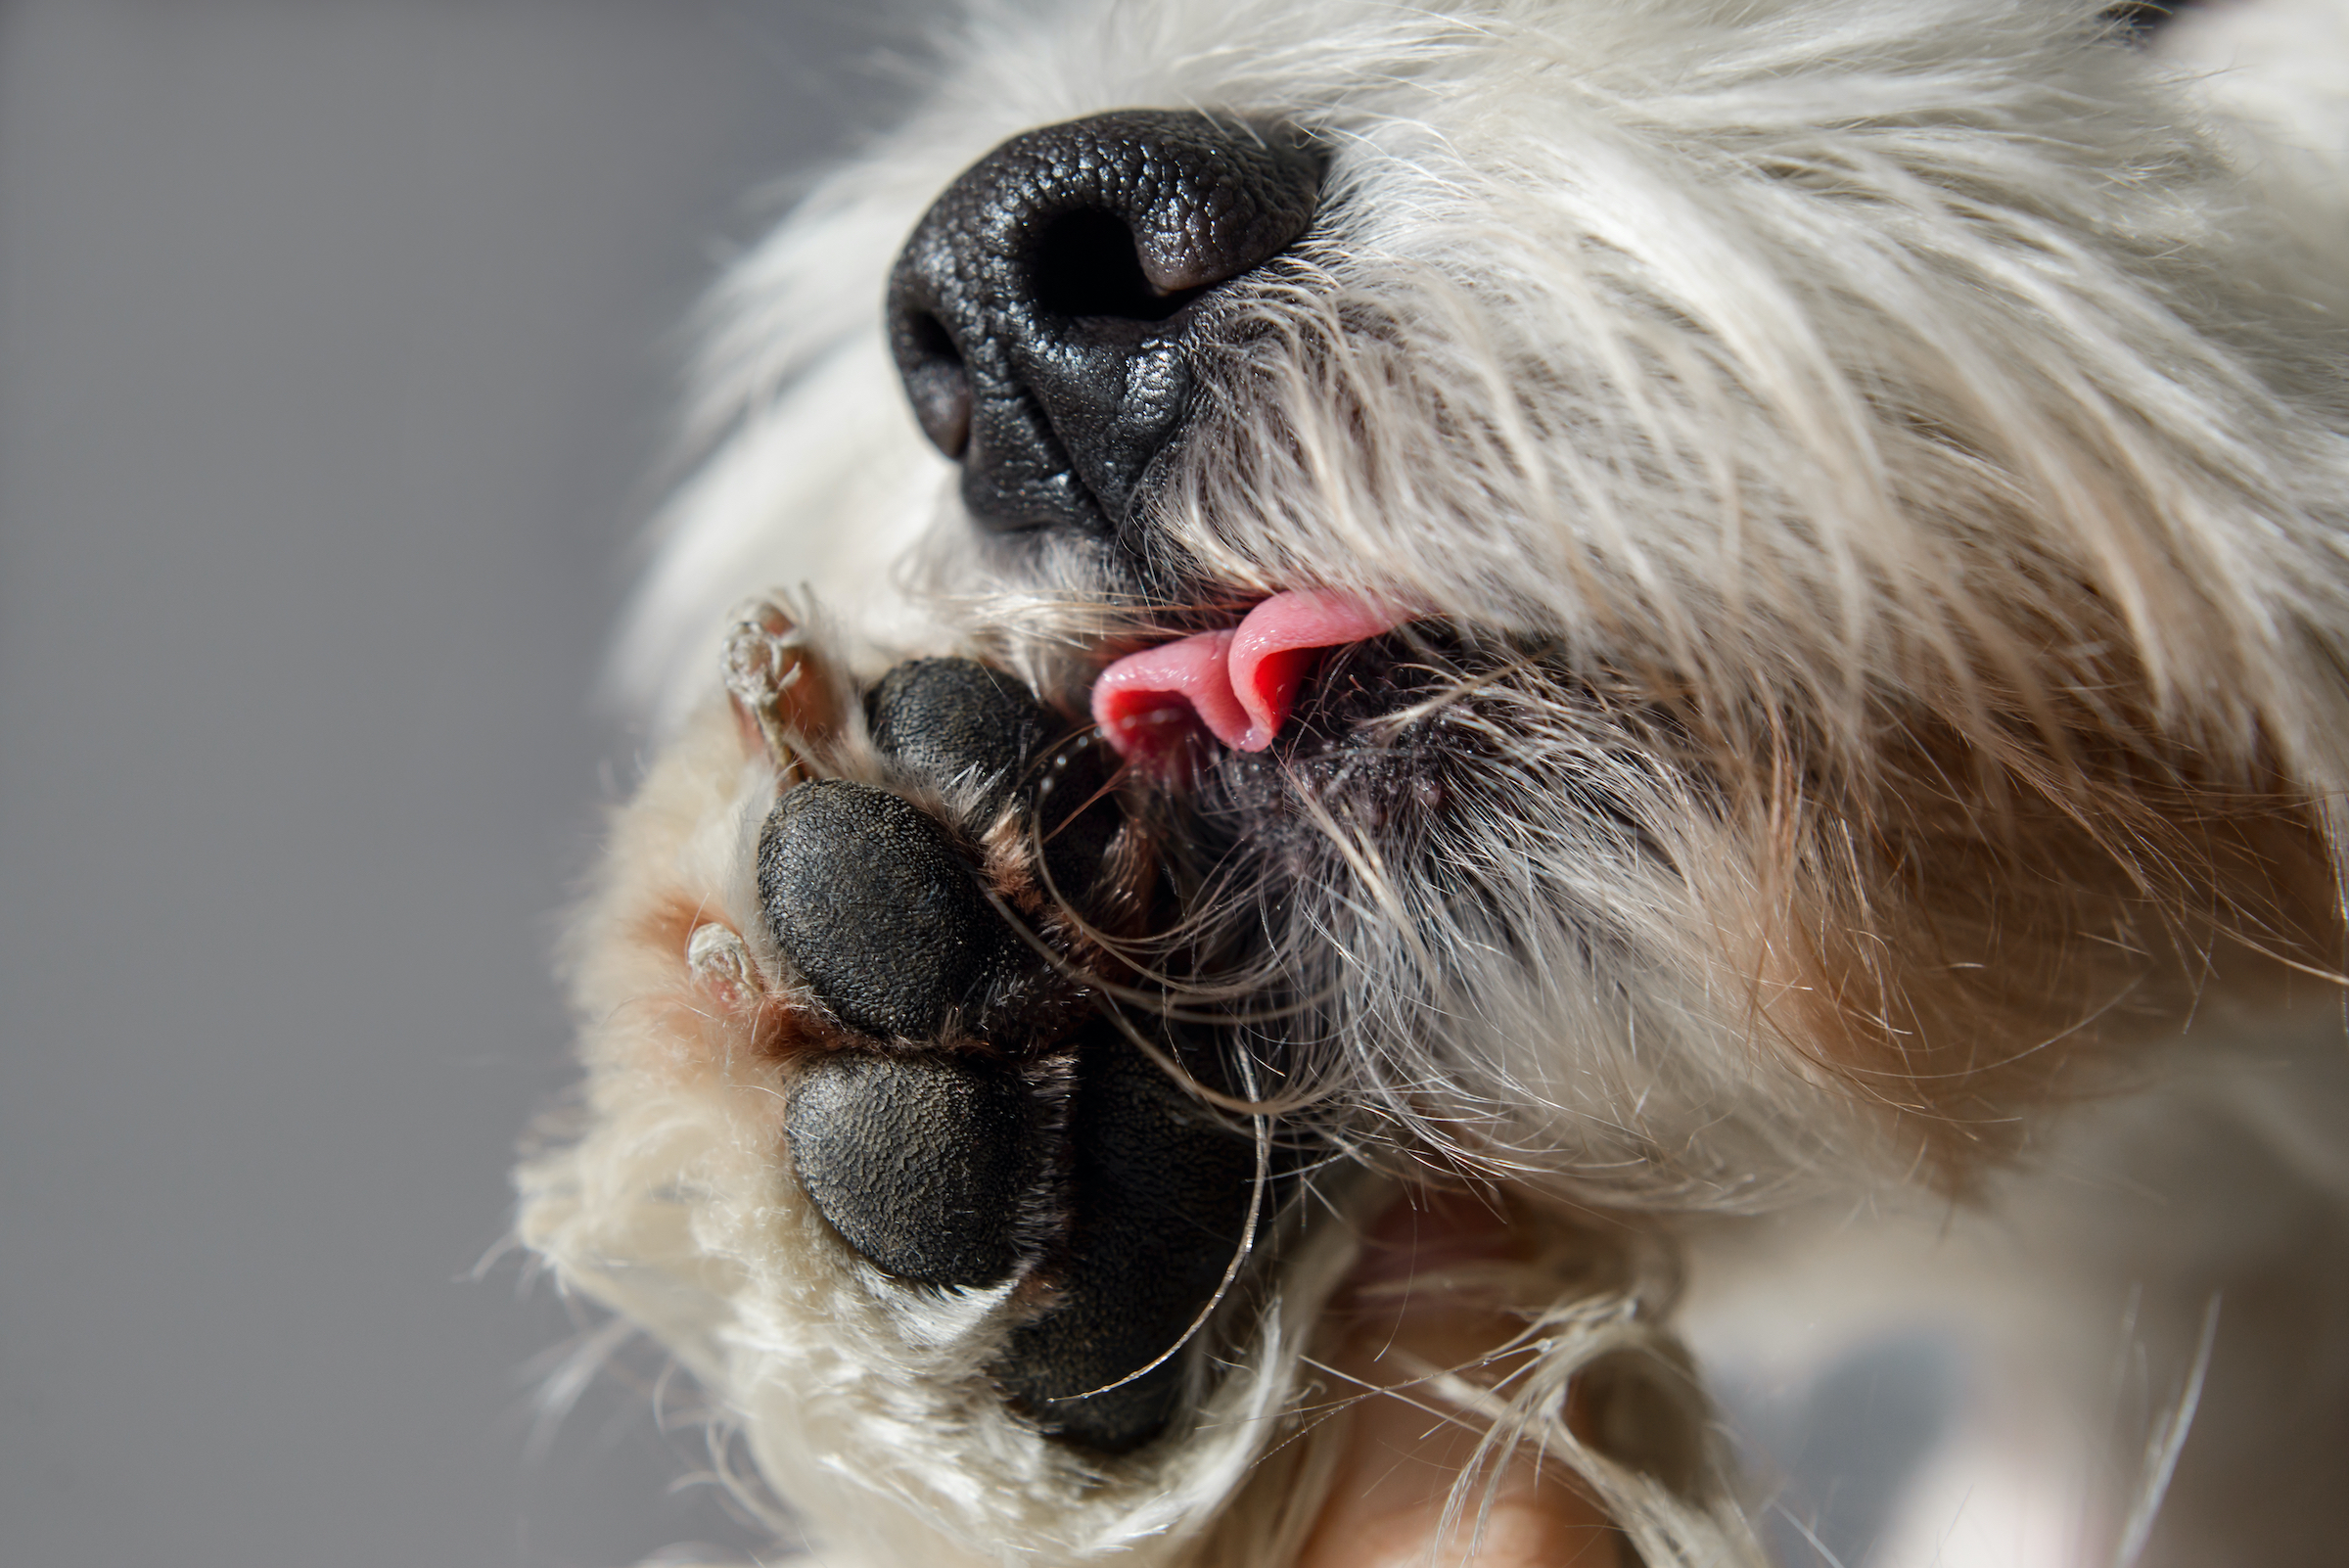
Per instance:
x=335, y=340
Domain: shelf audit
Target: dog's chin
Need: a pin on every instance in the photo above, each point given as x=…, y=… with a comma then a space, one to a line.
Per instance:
x=1445, y=839
x=1470, y=844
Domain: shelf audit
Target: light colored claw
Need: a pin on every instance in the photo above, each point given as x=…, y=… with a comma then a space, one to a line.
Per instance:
x=766, y=655
x=721, y=963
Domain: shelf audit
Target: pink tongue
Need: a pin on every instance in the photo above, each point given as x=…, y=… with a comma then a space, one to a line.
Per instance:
x=1239, y=683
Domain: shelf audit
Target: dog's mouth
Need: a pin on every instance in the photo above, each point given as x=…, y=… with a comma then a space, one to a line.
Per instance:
x=1237, y=687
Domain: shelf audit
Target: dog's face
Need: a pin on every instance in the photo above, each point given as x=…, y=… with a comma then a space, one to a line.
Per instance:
x=1676, y=605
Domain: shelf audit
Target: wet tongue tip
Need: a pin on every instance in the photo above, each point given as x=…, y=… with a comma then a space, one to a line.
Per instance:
x=1277, y=643
x=1240, y=684
x=1267, y=688
x=1148, y=704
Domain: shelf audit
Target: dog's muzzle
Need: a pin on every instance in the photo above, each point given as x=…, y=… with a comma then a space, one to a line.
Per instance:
x=1046, y=313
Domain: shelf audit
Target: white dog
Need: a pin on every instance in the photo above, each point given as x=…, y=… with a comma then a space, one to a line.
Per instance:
x=1533, y=638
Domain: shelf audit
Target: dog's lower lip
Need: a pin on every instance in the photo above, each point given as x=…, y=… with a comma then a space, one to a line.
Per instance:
x=1238, y=683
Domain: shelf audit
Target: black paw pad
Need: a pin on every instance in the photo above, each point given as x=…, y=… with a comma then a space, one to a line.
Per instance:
x=952, y=720
x=918, y=1161
x=1162, y=1187
x=957, y=722
x=876, y=908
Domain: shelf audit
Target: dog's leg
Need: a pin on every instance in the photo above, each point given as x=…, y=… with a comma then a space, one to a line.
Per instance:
x=1414, y=1481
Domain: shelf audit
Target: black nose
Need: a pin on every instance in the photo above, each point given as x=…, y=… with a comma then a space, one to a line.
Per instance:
x=1043, y=313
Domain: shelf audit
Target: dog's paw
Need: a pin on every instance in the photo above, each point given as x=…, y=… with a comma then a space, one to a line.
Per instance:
x=964, y=1106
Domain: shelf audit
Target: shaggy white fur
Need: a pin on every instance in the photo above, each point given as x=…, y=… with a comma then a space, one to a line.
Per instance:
x=1873, y=477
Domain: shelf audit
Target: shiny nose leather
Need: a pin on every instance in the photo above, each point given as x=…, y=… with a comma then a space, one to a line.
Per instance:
x=1045, y=314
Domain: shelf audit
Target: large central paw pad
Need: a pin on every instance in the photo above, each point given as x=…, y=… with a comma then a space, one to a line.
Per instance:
x=973, y=1115
x=878, y=910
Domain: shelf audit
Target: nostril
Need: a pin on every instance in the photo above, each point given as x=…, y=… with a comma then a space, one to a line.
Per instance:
x=1047, y=311
x=1087, y=264
x=937, y=382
